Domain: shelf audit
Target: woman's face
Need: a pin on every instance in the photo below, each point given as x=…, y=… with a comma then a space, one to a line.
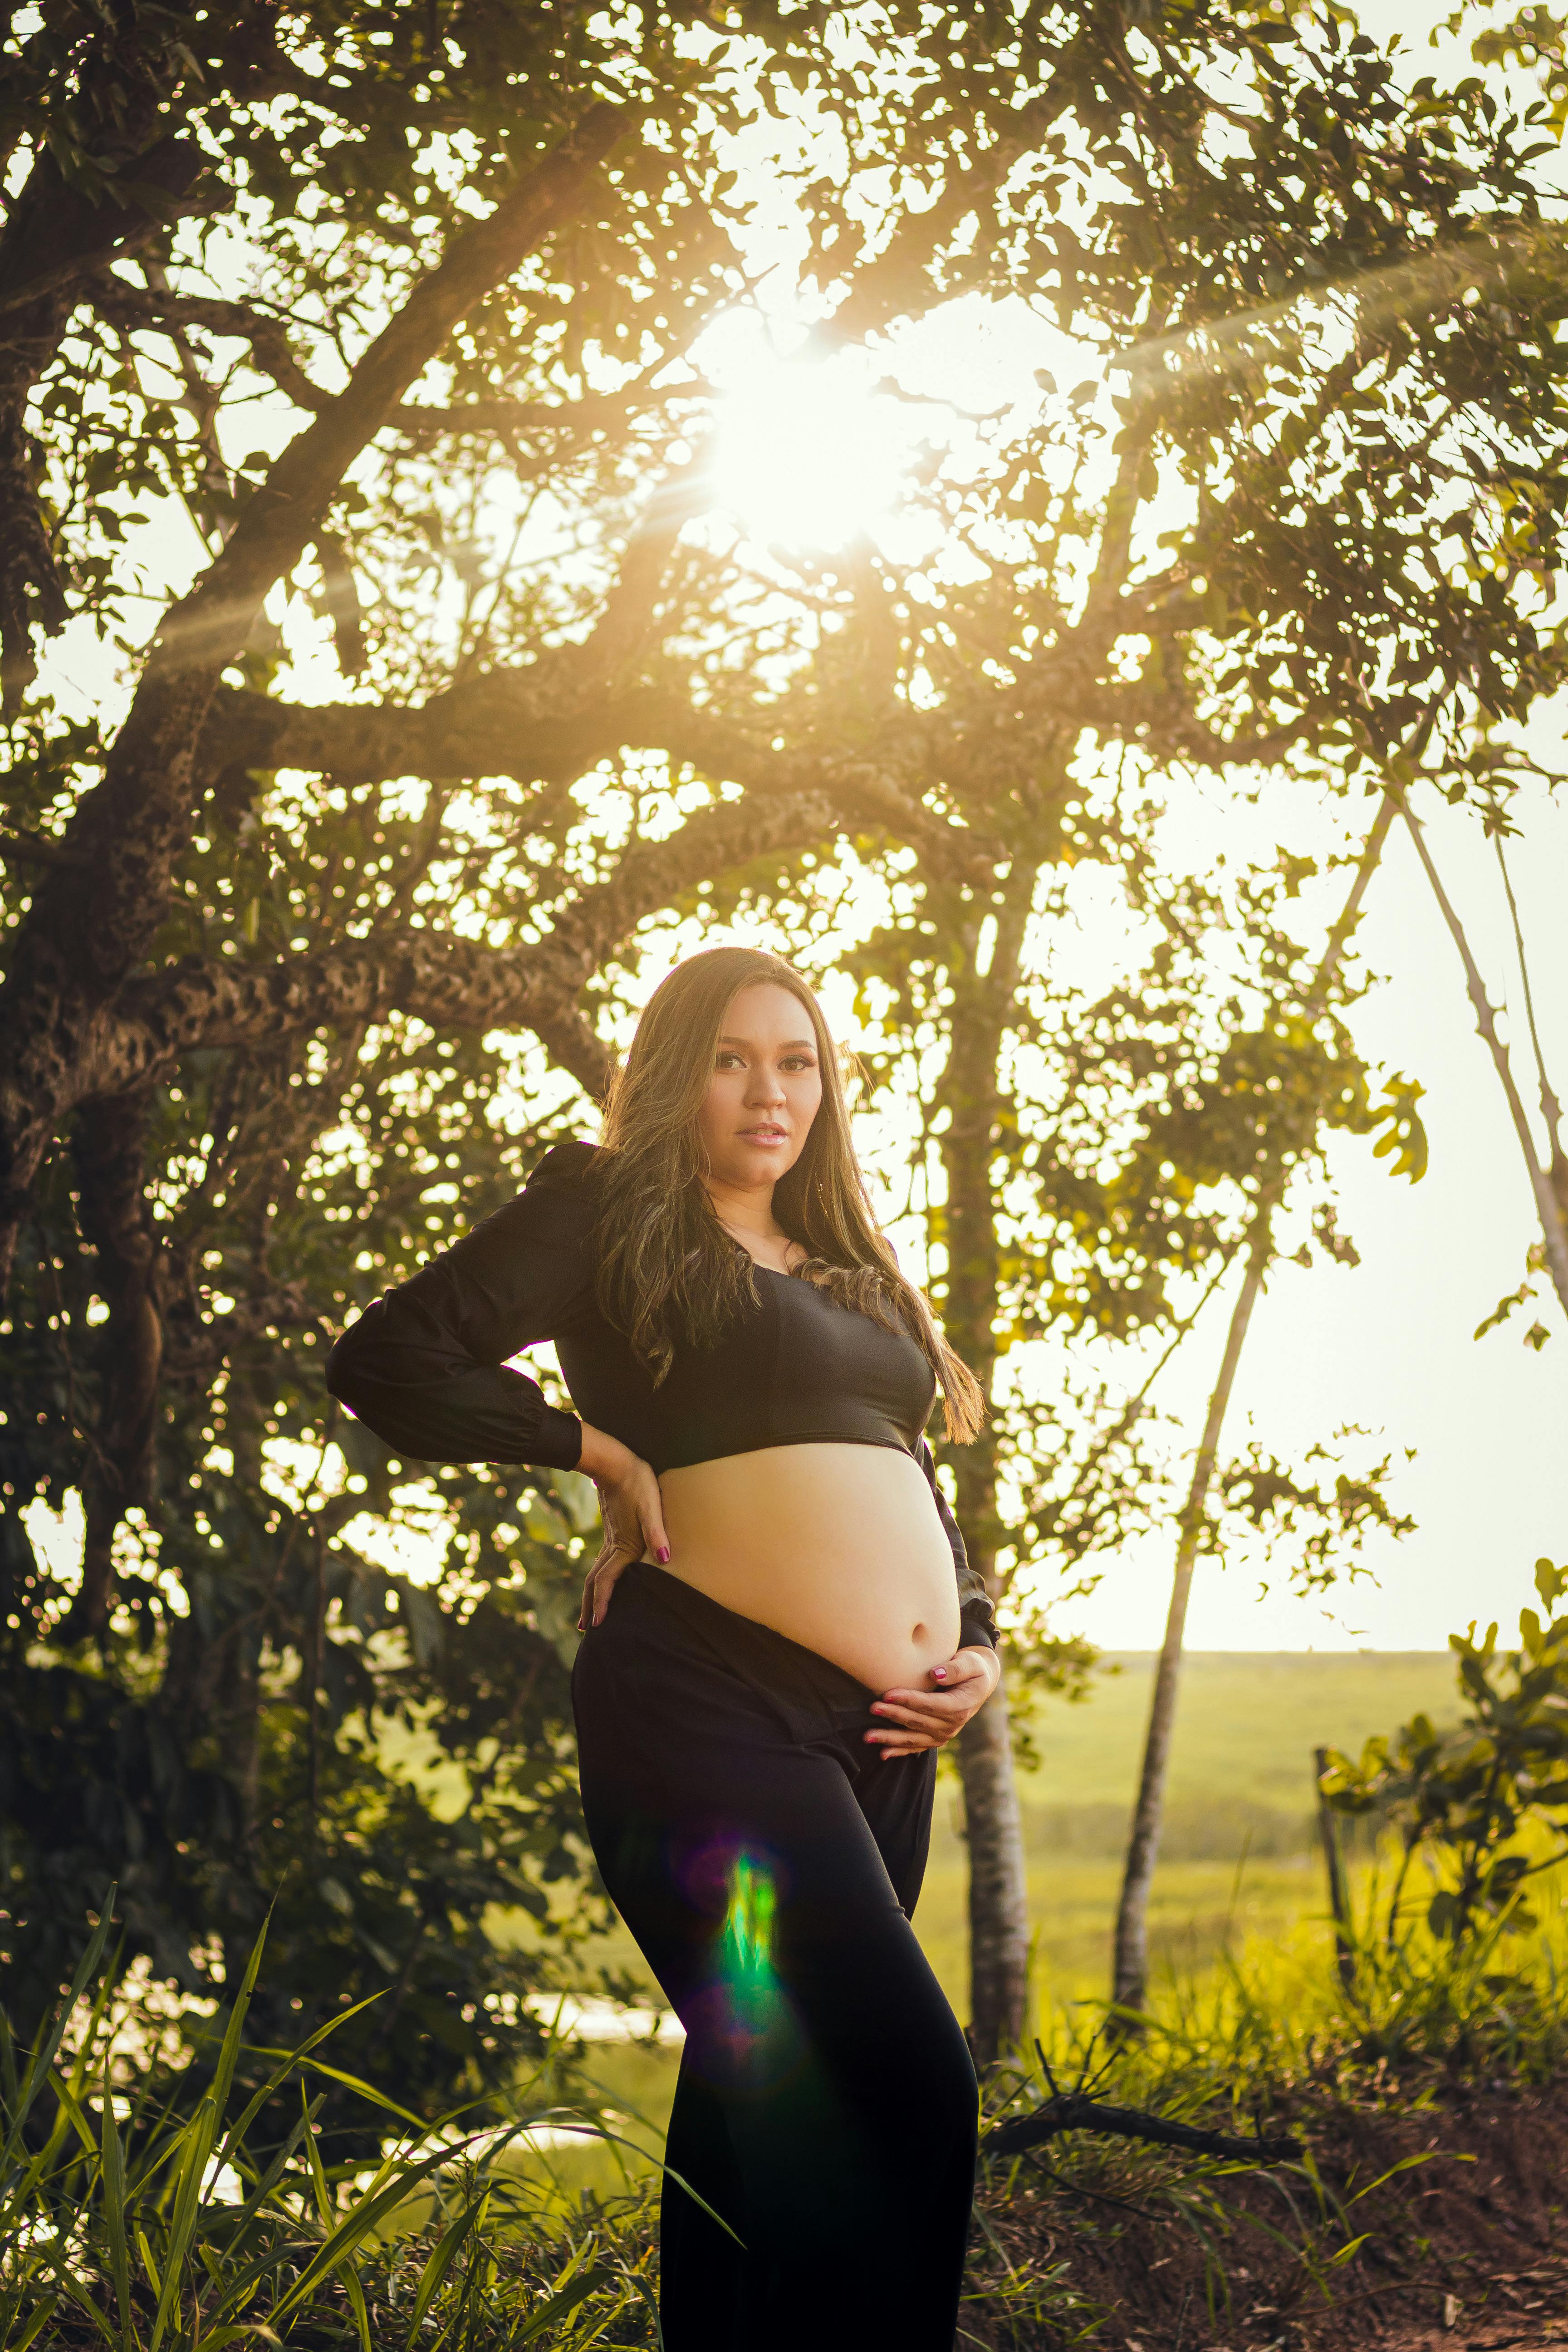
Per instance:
x=764, y=1091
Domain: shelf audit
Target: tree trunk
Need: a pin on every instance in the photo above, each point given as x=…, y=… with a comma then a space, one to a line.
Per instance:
x=1130, y=1984
x=998, y=1887
x=1333, y=1864
x=109, y=1147
x=998, y=1896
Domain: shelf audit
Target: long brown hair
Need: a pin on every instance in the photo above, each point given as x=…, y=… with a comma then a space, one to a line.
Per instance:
x=668, y=1269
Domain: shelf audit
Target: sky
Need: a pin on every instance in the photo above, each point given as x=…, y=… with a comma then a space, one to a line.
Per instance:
x=1388, y=1344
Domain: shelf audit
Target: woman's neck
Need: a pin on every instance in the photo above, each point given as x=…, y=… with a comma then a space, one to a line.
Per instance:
x=746, y=1211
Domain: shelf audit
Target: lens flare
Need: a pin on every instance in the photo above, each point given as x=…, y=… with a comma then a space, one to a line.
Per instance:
x=740, y=2028
x=746, y=1944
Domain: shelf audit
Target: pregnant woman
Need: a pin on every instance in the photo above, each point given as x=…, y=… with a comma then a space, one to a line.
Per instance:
x=780, y=1631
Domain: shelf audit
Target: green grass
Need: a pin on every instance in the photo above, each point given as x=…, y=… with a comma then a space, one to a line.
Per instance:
x=183, y=2211
x=1239, y=1857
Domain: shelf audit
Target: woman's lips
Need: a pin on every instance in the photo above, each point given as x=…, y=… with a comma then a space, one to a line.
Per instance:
x=762, y=1135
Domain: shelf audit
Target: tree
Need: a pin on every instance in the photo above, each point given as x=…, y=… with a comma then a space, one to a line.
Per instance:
x=1306, y=531
x=1353, y=1503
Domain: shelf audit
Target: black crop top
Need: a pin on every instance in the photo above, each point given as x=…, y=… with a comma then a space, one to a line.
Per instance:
x=425, y=1367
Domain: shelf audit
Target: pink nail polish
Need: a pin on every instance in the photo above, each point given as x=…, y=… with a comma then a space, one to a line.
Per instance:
x=662, y=1555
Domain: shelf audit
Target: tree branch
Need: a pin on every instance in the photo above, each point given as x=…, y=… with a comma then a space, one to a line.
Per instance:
x=497, y=725
x=81, y=936
x=281, y=520
x=503, y=725
x=55, y=233
x=1553, y=1221
x=132, y=307
x=1076, y=2111
x=449, y=981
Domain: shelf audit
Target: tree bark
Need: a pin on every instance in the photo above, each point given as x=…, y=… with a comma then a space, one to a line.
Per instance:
x=1129, y=1986
x=998, y=1883
x=109, y=1150
x=1333, y=1864
x=998, y=1886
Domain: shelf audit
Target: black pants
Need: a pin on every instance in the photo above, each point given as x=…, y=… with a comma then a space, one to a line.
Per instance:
x=767, y=1860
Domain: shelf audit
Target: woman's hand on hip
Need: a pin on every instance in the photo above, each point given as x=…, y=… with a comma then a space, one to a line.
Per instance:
x=633, y=1513
x=917, y=1719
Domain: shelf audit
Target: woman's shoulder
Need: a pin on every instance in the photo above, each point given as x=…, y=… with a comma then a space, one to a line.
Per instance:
x=566, y=1168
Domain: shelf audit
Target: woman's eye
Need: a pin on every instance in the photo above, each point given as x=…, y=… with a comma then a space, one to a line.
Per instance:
x=798, y=1062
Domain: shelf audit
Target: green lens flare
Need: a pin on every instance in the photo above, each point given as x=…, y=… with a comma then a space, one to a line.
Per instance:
x=747, y=1943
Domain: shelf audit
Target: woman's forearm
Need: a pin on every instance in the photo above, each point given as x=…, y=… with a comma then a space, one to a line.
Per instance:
x=603, y=1458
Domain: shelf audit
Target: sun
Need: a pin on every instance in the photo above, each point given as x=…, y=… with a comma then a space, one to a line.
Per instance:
x=815, y=450
x=809, y=452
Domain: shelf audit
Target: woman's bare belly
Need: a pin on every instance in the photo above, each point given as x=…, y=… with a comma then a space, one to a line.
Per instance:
x=837, y=1546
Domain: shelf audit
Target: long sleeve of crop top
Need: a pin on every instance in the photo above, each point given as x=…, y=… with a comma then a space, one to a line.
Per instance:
x=977, y=1617
x=425, y=1366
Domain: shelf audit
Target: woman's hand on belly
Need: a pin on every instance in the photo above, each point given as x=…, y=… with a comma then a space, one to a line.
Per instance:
x=918, y=1719
x=633, y=1513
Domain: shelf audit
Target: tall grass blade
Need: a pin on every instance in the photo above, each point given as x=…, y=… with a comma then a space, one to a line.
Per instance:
x=289, y=2059
x=111, y=2160
x=445, y=2254
x=34, y=2327
x=587, y=2283
x=229, y=2056
x=356, y=2294
x=72, y=2107
x=198, y=2137
x=148, y=2264
x=357, y=2226
x=323, y=2194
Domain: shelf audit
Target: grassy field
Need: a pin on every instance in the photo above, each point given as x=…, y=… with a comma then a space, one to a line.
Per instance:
x=1239, y=1854
x=1240, y=1859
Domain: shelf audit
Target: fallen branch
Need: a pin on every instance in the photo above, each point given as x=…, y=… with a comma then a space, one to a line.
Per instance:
x=1076, y=2111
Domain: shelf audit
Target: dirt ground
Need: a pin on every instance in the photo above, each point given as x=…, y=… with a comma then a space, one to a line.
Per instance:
x=1465, y=2246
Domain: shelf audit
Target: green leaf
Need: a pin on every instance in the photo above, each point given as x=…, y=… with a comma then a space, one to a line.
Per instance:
x=1404, y=1139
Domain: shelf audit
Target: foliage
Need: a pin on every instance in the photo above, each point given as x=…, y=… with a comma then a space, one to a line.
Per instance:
x=139, y=2208
x=1486, y=1800
x=1532, y=37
